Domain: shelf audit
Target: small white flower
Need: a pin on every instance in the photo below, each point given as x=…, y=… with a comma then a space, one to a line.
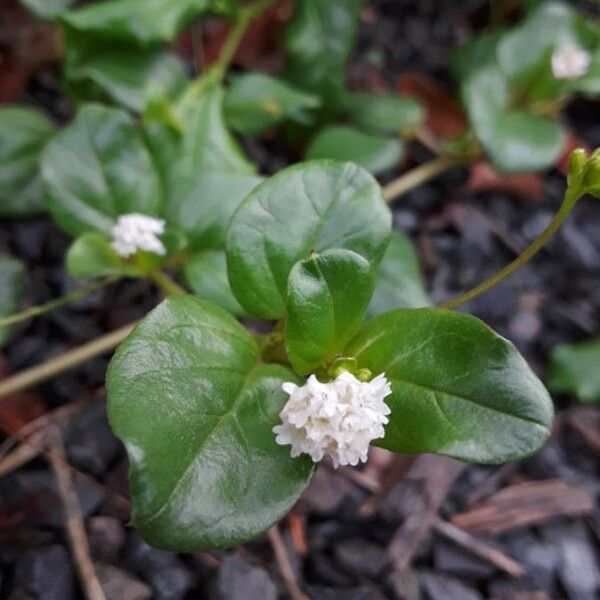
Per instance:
x=570, y=62
x=337, y=419
x=135, y=232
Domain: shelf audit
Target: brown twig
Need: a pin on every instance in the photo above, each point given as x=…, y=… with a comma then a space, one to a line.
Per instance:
x=74, y=520
x=285, y=567
x=479, y=548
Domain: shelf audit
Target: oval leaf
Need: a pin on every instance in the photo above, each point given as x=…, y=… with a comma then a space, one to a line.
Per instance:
x=256, y=102
x=23, y=135
x=458, y=388
x=195, y=409
x=328, y=295
x=515, y=141
x=574, y=370
x=91, y=255
x=306, y=208
x=391, y=114
x=206, y=275
x=96, y=169
x=399, y=281
x=374, y=153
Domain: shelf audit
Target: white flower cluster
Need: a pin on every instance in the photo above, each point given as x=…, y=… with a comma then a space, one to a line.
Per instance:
x=337, y=419
x=135, y=232
x=570, y=62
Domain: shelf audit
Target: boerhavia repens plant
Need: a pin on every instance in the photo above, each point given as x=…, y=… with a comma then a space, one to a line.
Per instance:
x=224, y=426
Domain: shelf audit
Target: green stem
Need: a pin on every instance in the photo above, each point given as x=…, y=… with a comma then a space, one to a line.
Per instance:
x=245, y=16
x=571, y=197
x=166, y=284
x=73, y=296
x=417, y=176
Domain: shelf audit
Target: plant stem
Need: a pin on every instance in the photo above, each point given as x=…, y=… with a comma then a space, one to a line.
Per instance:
x=245, y=16
x=571, y=197
x=166, y=284
x=73, y=296
x=417, y=176
x=64, y=362
x=40, y=373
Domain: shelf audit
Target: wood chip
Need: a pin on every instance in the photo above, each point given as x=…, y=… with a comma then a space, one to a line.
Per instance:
x=434, y=476
x=525, y=504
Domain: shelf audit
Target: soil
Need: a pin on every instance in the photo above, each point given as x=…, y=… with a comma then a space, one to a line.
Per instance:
x=341, y=535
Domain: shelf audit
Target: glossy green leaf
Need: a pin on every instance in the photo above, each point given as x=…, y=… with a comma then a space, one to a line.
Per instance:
x=47, y=9
x=143, y=21
x=195, y=409
x=203, y=209
x=399, y=281
x=23, y=134
x=515, y=141
x=206, y=275
x=91, y=255
x=340, y=142
x=120, y=71
x=256, y=102
x=310, y=207
x=12, y=280
x=385, y=113
x=98, y=168
x=458, y=388
x=190, y=137
x=574, y=370
x=328, y=295
x=318, y=41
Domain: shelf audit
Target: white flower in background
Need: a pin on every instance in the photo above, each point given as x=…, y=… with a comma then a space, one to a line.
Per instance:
x=135, y=232
x=337, y=419
x=570, y=62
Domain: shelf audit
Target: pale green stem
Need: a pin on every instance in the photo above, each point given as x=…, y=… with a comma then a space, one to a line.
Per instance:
x=245, y=16
x=571, y=197
x=51, y=368
x=166, y=284
x=73, y=296
x=417, y=176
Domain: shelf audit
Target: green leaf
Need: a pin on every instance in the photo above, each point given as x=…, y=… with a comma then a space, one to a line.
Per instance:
x=121, y=71
x=12, y=281
x=310, y=207
x=474, y=55
x=328, y=295
x=91, y=255
x=47, y=9
x=515, y=141
x=574, y=370
x=23, y=134
x=96, y=169
x=399, y=282
x=521, y=51
x=143, y=21
x=203, y=209
x=458, y=388
x=206, y=275
x=387, y=114
x=374, y=153
x=255, y=102
x=318, y=41
x=199, y=143
x=195, y=410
